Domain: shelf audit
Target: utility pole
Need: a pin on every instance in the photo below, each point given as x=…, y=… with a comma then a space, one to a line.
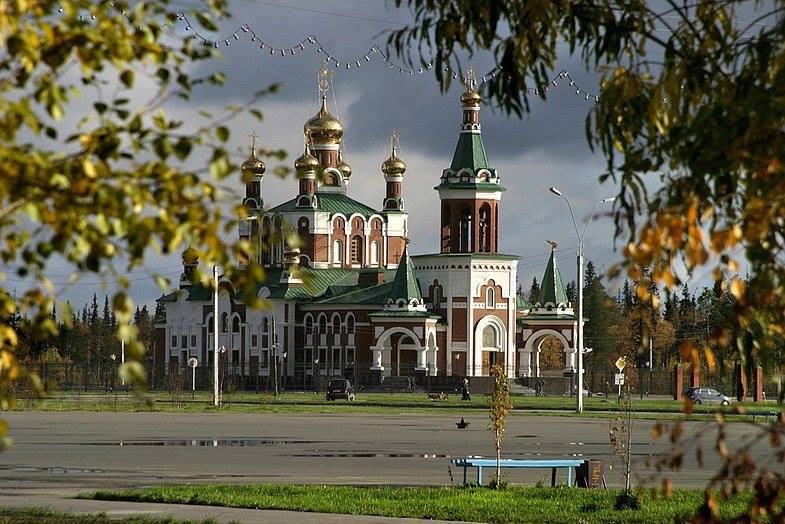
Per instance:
x=275, y=357
x=579, y=337
x=215, y=336
x=122, y=359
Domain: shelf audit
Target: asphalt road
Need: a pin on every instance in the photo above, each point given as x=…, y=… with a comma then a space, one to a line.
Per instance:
x=59, y=454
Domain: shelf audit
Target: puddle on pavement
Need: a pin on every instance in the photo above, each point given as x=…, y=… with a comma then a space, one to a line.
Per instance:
x=372, y=454
x=207, y=442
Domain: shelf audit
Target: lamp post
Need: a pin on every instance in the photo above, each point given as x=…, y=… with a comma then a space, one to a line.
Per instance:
x=215, y=336
x=581, y=237
x=313, y=374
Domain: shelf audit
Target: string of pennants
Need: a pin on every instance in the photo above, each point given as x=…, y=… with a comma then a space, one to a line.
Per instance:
x=374, y=52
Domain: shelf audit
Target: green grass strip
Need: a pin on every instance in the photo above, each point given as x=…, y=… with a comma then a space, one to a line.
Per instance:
x=476, y=504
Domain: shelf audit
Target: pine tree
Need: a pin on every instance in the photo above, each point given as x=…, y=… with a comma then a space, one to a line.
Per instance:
x=534, y=292
x=572, y=292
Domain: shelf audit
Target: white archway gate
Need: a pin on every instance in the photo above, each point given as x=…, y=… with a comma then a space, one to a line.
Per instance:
x=529, y=354
x=423, y=341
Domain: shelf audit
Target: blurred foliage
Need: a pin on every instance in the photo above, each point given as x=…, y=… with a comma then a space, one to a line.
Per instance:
x=94, y=172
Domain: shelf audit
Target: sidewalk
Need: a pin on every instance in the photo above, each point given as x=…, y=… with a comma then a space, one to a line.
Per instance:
x=186, y=512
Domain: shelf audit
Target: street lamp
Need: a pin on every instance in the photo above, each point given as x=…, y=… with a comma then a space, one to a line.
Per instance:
x=581, y=237
x=313, y=374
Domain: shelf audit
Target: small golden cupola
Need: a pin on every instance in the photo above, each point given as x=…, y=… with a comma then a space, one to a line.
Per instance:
x=253, y=167
x=306, y=167
x=344, y=167
x=253, y=171
x=323, y=128
x=306, y=164
x=393, y=166
x=393, y=169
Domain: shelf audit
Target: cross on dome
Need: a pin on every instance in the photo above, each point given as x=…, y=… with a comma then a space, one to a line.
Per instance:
x=471, y=78
x=323, y=78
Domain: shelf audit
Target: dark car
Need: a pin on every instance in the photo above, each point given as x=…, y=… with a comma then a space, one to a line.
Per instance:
x=706, y=396
x=340, y=388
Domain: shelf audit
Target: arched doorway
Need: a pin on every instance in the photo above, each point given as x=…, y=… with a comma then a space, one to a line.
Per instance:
x=551, y=356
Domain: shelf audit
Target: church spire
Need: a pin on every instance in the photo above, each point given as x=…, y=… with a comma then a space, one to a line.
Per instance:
x=552, y=286
x=405, y=292
x=393, y=169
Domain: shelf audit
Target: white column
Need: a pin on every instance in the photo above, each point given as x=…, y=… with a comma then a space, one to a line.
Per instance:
x=431, y=357
x=525, y=369
x=377, y=359
x=537, y=363
x=421, y=359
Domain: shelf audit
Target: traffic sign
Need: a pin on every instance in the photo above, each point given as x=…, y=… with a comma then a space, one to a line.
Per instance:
x=621, y=362
x=192, y=362
x=618, y=379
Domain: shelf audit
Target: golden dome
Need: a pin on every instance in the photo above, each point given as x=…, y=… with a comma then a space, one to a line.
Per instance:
x=324, y=128
x=344, y=167
x=190, y=257
x=253, y=166
x=306, y=163
x=471, y=98
x=393, y=166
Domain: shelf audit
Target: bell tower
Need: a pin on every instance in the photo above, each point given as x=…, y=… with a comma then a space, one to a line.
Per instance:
x=470, y=190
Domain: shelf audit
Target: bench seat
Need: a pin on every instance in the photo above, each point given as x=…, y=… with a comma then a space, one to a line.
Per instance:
x=552, y=464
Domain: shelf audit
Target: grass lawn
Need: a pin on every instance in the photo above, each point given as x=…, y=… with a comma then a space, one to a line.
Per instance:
x=390, y=403
x=45, y=516
x=514, y=504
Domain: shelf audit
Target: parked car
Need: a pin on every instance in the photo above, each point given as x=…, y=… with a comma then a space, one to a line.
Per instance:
x=340, y=388
x=706, y=396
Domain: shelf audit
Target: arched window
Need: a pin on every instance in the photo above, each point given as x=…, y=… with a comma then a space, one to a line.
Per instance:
x=336, y=324
x=357, y=249
x=224, y=323
x=350, y=324
x=490, y=298
x=446, y=223
x=485, y=227
x=376, y=224
x=308, y=325
x=490, y=338
x=375, y=249
x=322, y=324
x=357, y=223
x=236, y=325
x=465, y=230
x=437, y=296
x=210, y=325
x=337, y=252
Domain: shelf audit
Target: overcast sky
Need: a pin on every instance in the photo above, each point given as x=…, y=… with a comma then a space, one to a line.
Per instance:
x=546, y=148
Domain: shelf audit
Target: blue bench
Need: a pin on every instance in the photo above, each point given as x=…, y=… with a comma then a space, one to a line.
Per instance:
x=552, y=464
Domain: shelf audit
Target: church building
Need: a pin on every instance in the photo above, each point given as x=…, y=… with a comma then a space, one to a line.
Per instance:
x=350, y=299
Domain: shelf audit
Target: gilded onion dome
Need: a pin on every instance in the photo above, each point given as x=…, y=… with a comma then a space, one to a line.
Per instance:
x=324, y=128
x=306, y=163
x=471, y=98
x=190, y=257
x=344, y=167
x=393, y=166
x=292, y=255
x=253, y=166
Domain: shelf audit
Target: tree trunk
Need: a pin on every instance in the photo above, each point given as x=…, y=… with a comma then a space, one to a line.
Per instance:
x=498, y=460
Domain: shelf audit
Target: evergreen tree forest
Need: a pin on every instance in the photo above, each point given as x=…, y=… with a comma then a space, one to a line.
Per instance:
x=84, y=336
x=620, y=324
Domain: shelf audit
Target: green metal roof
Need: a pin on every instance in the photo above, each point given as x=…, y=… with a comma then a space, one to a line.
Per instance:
x=498, y=256
x=330, y=203
x=404, y=313
x=193, y=293
x=469, y=152
x=555, y=316
x=405, y=284
x=479, y=186
x=552, y=287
